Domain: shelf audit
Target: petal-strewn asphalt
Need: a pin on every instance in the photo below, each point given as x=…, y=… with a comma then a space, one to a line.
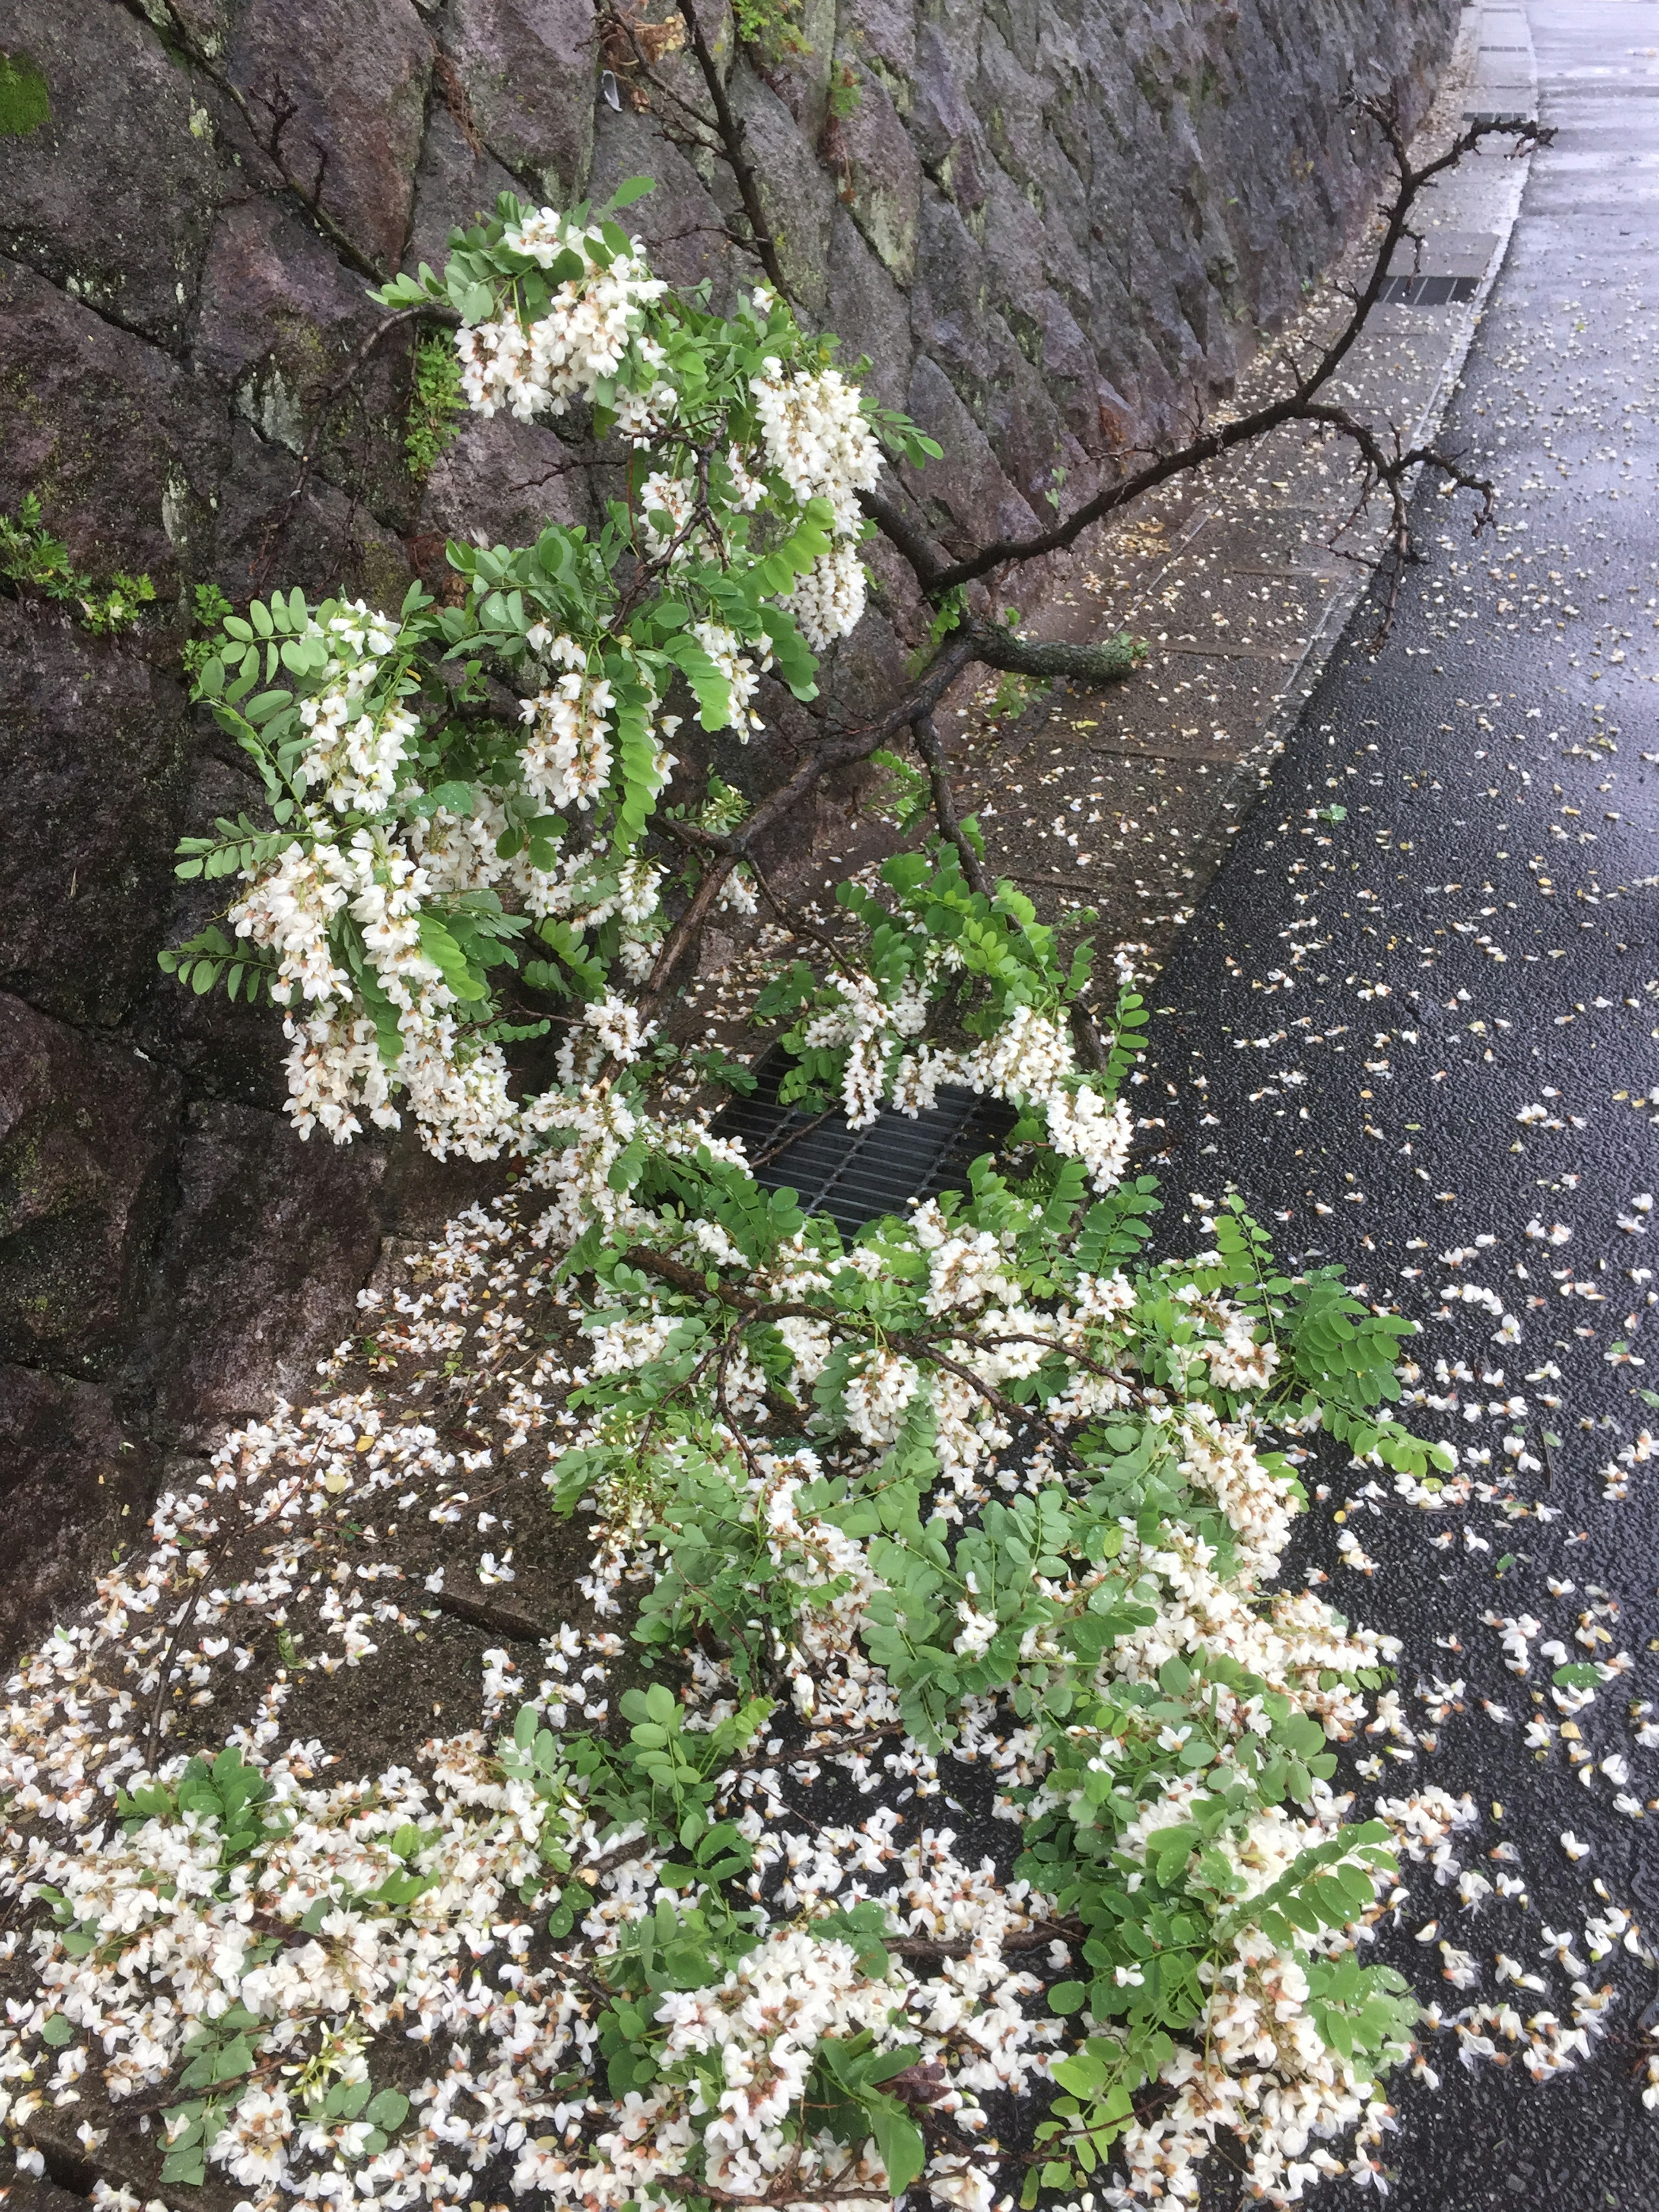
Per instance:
x=1439, y=920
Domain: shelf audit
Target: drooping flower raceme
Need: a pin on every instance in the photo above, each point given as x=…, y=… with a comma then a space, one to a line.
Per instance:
x=567, y=756
x=592, y=319
x=819, y=440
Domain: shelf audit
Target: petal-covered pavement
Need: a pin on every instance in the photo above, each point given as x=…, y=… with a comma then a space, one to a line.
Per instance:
x=1416, y=1020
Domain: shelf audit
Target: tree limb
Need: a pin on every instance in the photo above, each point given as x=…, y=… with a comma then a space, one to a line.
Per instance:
x=732, y=134
x=1296, y=406
x=835, y=753
x=945, y=805
x=1051, y=660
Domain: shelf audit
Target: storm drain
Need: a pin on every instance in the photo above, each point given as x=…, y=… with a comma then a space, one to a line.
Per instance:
x=1496, y=115
x=1426, y=291
x=855, y=1176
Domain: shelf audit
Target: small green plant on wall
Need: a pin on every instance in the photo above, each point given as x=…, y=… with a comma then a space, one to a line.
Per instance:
x=436, y=406
x=772, y=25
x=25, y=97
x=35, y=562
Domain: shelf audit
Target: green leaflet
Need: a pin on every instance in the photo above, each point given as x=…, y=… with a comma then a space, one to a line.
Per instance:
x=440, y=948
x=795, y=662
x=640, y=779
x=712, y=691
x=1116, y=1226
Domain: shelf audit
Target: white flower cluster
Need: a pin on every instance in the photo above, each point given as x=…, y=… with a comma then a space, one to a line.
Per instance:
x=873, y=1028
x=356, y=757
x=1237, y=1361
x=1031, y=1062
x=287, y=910
x=819, y=439
x=591, y=324
x=389, y=876
x=742, y=672
x=457, y=1089
x=566, y=759
x=828, y=602
x=674, y=499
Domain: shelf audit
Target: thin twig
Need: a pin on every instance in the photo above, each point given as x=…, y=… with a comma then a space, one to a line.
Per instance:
x=153, y=1732
x=270, y=143
x=1030, y=1938
x=775, y=1152
x=683, y=1277
x=688, y=927
x=499, y=1620
x=705, y=840
x=836, y=752
x=283, y=513
x=731, y=133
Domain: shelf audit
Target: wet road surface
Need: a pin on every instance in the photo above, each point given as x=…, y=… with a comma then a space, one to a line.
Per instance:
x=1416, y=1020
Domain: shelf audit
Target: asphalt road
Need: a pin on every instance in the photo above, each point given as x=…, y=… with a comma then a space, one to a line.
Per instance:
x=1416, y=1020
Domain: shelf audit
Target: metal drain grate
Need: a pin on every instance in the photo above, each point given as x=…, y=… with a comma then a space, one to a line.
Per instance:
x=1498, y=115
x=855, y=1176
x=1426, y=291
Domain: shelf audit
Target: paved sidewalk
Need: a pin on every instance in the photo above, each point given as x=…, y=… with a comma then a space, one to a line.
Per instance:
x=1417, y=1020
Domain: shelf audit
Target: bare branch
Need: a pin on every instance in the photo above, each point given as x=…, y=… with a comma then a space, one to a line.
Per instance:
x=910, y=540
x=1296, y=406
x=269, y=140
x=945, y=805
x=731, y=133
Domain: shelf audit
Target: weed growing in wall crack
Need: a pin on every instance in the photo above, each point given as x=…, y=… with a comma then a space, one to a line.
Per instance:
x=33, y=562
x=434, y=403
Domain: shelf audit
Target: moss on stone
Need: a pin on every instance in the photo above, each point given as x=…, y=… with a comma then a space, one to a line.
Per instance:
x=25, y=101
